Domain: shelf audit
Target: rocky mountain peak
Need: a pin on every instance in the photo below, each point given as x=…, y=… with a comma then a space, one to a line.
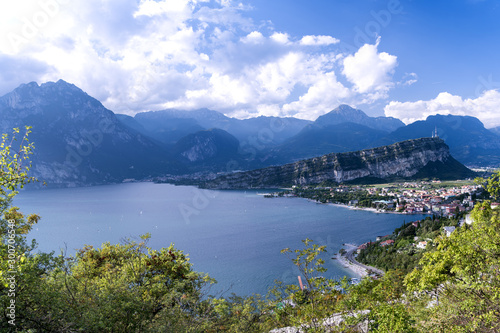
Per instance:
x=346, y=114
x=343, y=113
x=51, y=99
x=32, y=92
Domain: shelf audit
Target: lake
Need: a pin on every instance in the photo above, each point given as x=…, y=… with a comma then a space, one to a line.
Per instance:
x=234, y=236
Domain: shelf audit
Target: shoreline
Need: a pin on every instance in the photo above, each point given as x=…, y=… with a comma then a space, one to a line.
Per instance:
x=347, y=261
x=344, y=262
x=367, y=209
x=373, y=210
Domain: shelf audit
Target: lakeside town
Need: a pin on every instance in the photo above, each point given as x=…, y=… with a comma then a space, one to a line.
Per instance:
x=447, y=204
x=444, y=199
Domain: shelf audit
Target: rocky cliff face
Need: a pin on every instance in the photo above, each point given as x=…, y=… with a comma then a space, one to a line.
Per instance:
x=426, y=157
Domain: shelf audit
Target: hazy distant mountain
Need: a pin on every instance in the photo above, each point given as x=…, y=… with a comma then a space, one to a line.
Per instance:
x=162, y=126
x=346, y=114
x=315, y=140
x=204, y=117
x=79, y=141
x=341, y=130
x=495, y=130
x=265, y=131
x=168, y=126
x=130, y=122
x=469, y=141
x=211, y=148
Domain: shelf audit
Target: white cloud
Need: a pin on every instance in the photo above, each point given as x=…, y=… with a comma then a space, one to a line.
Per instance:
x=484, y=107
x=322, y=96
x=318, y=40
x=227, y=16
x=255, y=37
x=153, y=8
x=153, y=54
x=370, y=71
x=409, y=79
x=280, y=37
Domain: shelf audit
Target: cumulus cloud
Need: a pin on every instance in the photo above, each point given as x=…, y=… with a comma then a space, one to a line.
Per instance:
x=370, y=71
x=323, y=95
x=485, y=108
x=280, y=37
x=255, y=37
x=154, y=54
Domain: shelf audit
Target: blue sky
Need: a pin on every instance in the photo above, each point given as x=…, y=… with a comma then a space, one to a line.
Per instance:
x=406, y=59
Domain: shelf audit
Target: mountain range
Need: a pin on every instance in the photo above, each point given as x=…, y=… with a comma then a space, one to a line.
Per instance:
x=469, y=141
x=79, y=142
x=168, y=126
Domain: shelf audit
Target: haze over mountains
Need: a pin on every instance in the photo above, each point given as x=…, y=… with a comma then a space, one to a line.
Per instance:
x=78, y=141
x=169, y=126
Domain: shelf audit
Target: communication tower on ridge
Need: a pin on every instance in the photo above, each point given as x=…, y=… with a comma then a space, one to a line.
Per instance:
x=435, y=133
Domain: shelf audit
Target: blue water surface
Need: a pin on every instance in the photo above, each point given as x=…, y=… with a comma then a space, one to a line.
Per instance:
x=234, y=236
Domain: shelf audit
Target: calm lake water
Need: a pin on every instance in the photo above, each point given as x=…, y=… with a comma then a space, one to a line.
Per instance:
x=234, y=236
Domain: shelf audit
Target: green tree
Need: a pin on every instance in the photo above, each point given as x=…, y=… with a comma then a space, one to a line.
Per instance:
x=133, y=288
x=14, y=163
x=464, y=272
x=307, y=308
x=492, y=184
x=379, y=303
x=16, y=269
x=241, y=314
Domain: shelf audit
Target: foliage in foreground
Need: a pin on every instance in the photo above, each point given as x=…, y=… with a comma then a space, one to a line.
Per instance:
x=404, y=254
x=132, y=288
